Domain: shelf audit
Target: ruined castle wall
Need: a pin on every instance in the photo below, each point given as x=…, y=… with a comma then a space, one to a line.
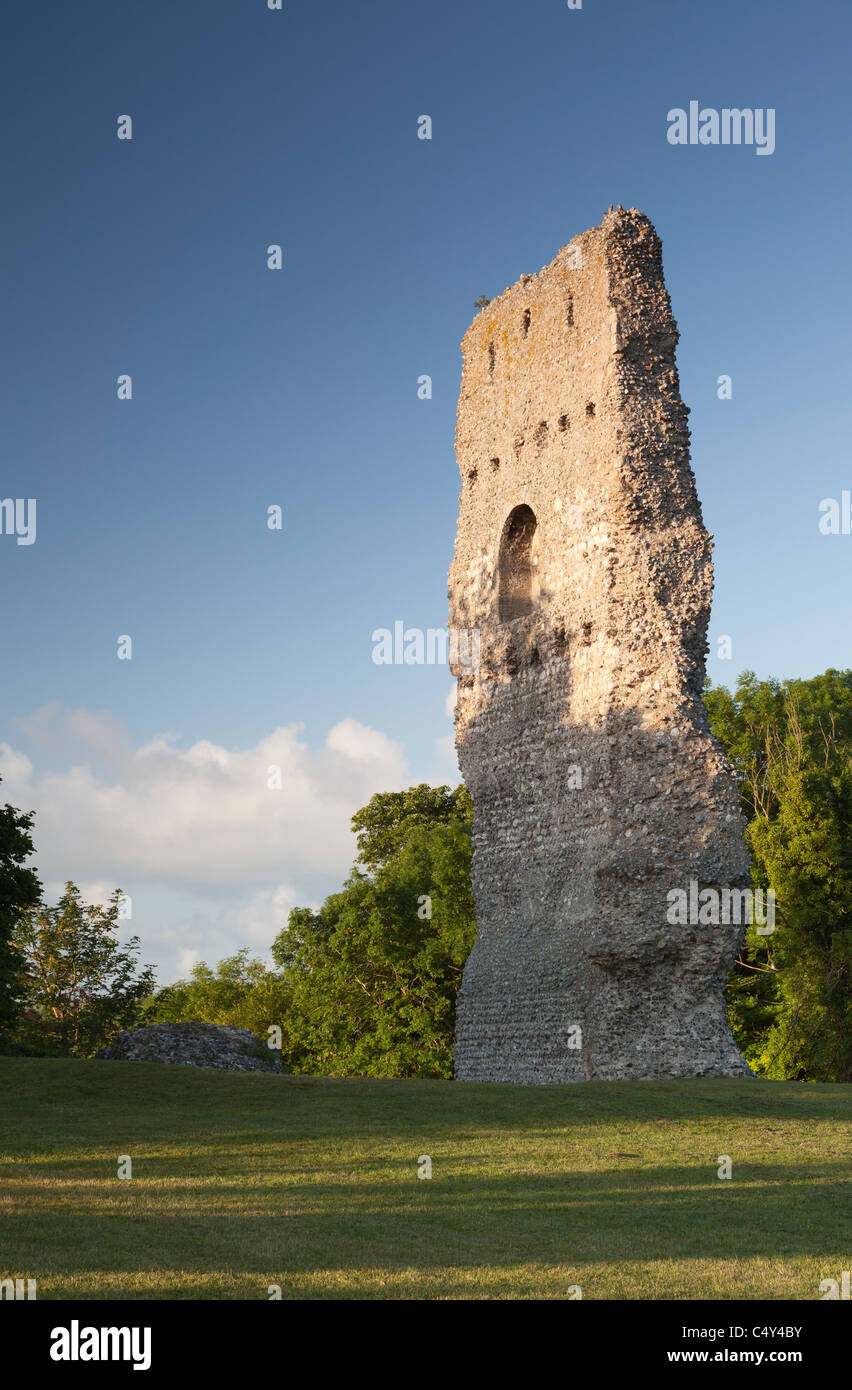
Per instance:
x=581, y=735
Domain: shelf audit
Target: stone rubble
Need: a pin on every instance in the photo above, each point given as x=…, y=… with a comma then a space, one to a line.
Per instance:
x=194, y=1045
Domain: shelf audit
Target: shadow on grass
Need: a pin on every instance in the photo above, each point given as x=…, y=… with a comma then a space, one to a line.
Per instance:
x=62, y=1102
x=463, y=1220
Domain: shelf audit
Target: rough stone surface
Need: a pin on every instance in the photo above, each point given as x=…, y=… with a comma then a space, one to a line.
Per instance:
x=582, y=560
x=194, y=1045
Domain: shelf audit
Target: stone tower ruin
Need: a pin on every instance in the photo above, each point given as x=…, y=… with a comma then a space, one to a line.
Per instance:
x=582, y=562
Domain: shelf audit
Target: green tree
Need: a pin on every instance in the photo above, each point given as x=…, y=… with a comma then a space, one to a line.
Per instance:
x=384, y=825
x=374, y=973
x=240, y=993
x=81, y=984
x=20, y=890
x=790, y=995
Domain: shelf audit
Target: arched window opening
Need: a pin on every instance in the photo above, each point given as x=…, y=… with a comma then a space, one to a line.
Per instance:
x=517, y=581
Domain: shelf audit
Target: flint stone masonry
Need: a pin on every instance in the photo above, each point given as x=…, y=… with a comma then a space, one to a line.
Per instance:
x=582, y=559
x=194, y=1045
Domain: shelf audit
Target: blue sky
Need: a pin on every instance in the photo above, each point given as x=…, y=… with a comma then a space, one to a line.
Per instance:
x=299, y=388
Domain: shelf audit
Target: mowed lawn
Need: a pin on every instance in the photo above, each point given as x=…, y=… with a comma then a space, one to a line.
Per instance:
x=244, y=1181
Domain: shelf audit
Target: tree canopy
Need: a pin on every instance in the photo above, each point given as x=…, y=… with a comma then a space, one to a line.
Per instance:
x=20, y=889
x=375, y=971
x=790, y=743
x=81, y=985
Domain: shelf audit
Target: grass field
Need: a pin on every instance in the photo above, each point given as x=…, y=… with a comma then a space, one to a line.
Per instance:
x=243, y=1181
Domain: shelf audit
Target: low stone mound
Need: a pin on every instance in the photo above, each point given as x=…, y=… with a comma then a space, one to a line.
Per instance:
x=194, y=1045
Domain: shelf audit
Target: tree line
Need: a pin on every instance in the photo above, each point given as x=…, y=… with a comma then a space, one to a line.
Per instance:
x=366, y=985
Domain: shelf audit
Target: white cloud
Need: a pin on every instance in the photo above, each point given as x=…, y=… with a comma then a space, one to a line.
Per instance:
x=204, y=814
x=359, y=743
x=36, y=726
x=15, y=768
x=252, y=919
x=103, y=734
x=186, y=960
x=198, y=830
